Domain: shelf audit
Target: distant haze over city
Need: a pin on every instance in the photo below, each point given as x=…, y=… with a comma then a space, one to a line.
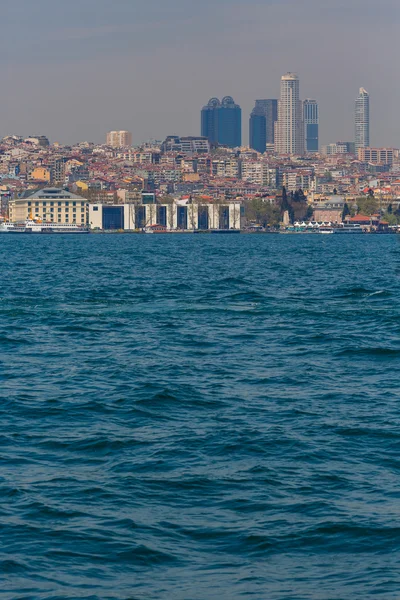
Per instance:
x=75, y=70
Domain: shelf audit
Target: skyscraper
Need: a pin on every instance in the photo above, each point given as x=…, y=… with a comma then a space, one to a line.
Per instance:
x=262, y=124
x=362, y=120
x=221, y=122
x=311, y=125
x=289, y=130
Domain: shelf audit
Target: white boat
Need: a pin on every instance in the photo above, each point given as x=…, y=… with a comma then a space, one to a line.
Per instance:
x=7, y=227
x=32, y=226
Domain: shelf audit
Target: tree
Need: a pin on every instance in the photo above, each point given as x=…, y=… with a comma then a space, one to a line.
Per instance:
x=263, y=213
x=309, y=213
x=284, y=203
x=346, y=211
x=367, y=205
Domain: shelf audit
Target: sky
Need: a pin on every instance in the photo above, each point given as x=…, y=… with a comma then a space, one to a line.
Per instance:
x=74, y=69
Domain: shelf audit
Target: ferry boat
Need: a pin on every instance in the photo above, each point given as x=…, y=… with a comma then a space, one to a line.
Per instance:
x=7, y=227
x=32, y=226
x=349, y=228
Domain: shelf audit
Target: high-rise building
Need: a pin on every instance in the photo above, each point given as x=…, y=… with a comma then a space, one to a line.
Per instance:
x=119, y=139
x=362, y=120
x=289, y=130
x=311, y=125
x=221, y=122
x=262, y=124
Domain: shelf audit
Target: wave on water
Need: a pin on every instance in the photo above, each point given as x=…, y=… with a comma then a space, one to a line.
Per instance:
x=196, y=417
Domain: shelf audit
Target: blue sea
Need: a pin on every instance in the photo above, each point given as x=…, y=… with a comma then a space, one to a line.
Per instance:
x=200, y=417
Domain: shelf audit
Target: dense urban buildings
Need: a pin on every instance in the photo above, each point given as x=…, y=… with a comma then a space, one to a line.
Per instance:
x=311, y=125
x=221, y=122
x=289, y=129
x=207, y=182
x=262, y=124
x=119, y=139
x=362, y=120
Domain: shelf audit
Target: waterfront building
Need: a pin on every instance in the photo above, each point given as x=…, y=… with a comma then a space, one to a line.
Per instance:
x=362, y=120
x=262, y=124
x=221, y=122
x=180, y=215
x=119, y=139
x=329, y=210
x=289, y=130
x=50, y=204
x=311, y=125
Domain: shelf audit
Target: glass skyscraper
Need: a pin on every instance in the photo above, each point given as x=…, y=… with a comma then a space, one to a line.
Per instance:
x=311, y=125
x=262, y=124
x=362, y=120
x=221, y=122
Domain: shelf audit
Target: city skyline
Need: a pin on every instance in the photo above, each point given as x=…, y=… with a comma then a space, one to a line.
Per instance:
x=100, y=73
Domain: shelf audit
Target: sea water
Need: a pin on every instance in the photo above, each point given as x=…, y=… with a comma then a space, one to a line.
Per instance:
x=199, y=417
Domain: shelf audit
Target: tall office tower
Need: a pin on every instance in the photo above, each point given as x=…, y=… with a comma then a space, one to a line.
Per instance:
x=221, y=122
x=262, y=124
x=119, y=139
x=289, y=129
x=362, y=120
x=311, y=125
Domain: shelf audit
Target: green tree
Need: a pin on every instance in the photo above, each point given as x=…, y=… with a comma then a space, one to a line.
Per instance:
x=367, y=205
x=346, y=211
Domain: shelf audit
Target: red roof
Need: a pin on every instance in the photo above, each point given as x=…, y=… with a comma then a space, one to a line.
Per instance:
x=359, y=218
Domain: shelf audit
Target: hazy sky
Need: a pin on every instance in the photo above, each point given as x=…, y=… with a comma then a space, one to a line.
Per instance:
x=73, y=69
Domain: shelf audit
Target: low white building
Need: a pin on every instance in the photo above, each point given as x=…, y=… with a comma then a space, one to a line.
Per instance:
x=180, y=215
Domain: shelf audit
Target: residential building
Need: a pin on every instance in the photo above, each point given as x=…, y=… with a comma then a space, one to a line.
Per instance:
x=38, y=140
x=339, y=148
x=119, y=139
x=289, y=130
x=186, y=145
x=311, y=125
x=221, y=122
x=50, y=204
x=377, y=156
x=362, y=120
